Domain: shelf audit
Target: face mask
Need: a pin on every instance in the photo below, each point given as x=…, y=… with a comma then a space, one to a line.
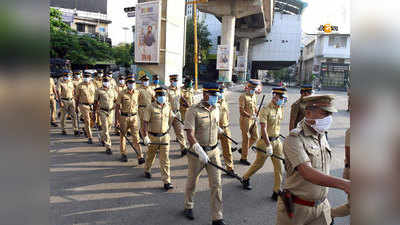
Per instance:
x=280, y=102
x=156, y=82
x=252, y=91
x=66, y=78
x=322, y=125
x=100, y=75
x=122, y=81
x=78, y=76
x=131, y=86
x=106, y=84
x=86, y=79
x=174, y=83
x=161, y=99
x=146, y=83
x=220, y=96
x=212, y=100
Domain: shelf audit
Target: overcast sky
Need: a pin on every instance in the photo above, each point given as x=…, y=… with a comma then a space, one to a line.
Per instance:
x=120, y=20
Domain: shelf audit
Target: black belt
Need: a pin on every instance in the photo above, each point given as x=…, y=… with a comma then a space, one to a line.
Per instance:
x=158, y=134
x=273, y=138
x=209, y=148
x=106, y=110
x=223, y=127
x=66, y=99
x=142, y=106
x=86, y=104
x=128, y=114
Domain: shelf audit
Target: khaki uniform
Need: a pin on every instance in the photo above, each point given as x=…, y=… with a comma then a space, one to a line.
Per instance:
x=344, y=210
x=154, y=86
x=76, y=82
x=159, y=119
x=225, y=142
x=53, y=103
x=98, y=83
x=66, y=93
x=174, y=94
x=85, y=93
x=118, y=89
x=272, y=116
x=188, y=95
x=205, y=126
x=249, y=104
x=304, y=145
x=146, y=95
x=106, y=98
x=129, y=119
x=296, y=113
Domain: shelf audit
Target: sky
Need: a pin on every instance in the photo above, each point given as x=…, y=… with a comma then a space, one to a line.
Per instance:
x=119, y=20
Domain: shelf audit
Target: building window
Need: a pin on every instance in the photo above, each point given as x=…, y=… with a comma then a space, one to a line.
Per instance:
x=80, y=27
x=91, y=29
x=337, y=41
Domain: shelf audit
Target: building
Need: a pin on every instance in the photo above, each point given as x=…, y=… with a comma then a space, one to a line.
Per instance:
x=326, y=60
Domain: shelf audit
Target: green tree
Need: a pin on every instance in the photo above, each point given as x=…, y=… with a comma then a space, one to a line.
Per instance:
x=281, y=75
x=123, y=55
x=204, y=44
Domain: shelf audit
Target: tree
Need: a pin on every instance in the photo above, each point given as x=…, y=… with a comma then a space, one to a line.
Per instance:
x=281, y=75
x=203, y=41
x=123, y=55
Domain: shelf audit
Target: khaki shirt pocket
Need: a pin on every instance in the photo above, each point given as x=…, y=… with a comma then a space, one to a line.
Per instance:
x=314, y=153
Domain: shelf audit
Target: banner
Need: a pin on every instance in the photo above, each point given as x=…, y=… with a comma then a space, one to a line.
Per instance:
x=241, y=63
x=148, y=25
x=223, y=58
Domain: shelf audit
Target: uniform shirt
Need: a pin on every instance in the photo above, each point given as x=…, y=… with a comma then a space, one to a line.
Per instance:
x=145, y=96
x=296, y=113
x=154, y=86
x=113, y=83
x=248, y=102
x=98, y=82
x=224, y=113
x=65, y=89
x=106, y=97
x=76, y=82
x=85, y=92
x=158, y=117
x=188, y=95
x=52, y=87
x=305, y=145
x=272, y=116
x=174, y=95
x=128, y=101
x=120, y=88
x=204, y=122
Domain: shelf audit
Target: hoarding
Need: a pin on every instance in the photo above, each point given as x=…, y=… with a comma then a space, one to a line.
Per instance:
x=223, y=58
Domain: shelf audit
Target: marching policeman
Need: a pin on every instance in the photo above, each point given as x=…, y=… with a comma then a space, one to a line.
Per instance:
x=297, y=108
x=84, y=100
x=224, y=125
x=53, y=103
x=271, y=116
x=98, y=80
x=119, y=88
x=157, y=118
x=201, y=125
x=187, y=98
x=77, y=79
x=65, y=89
x=104, y=100
x=146, y=95
x=174, y=95
x=307, y=162
x=248, y=116
x=128, y=119
x=113, y=83
x=156, y=82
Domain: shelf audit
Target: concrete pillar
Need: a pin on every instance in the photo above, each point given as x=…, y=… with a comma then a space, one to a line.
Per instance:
x=227, y=38
x=244, y=51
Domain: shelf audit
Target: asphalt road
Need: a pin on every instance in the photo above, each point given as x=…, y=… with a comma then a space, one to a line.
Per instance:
x=90, y=187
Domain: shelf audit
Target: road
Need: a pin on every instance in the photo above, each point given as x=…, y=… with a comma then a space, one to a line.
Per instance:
x=90, y=187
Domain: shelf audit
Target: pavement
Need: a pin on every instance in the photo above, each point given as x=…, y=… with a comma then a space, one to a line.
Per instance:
x=89, y=187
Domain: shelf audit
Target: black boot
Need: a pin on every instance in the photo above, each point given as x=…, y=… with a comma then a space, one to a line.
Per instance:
x=90, y=141
x=108, y=151
x=168, y=186
x=245, y=162
x=123, y=158
x=218, y=222
x=333, y=222
x=188, y=213
x=246, y=184
x=63, y=132
x=240, y=150
x=274, y=196
x=183, y=152
x=53, y=124
x=76, y=133
x=141, y=161
x=147, y=175
x=231, y=173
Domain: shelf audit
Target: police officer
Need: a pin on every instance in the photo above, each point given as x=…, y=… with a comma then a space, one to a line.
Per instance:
x=201, y=125
x=157, y=119
x=84, y=100
x=307, y=162
x=119, y=88
x=248, y=116
x=174, y=95
x=128, y=119
x=146, y=95
x=104, y=100
x=53, y=103
x=224, y=125
x=271, y=116
x=77, y=79
x=187, y=98
x=65, y=89
x=98, y=81
x=156, y=82
x=113, y=83
x=297, y=108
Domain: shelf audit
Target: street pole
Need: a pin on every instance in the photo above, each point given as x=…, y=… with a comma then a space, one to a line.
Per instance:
x=195, y=46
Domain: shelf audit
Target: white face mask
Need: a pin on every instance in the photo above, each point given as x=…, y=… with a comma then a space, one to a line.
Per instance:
x=322, y=125
x=78, y=76
x=122, y=81
x=146, y=83
x=131, y=86
x=86, y=79
x=106, y=84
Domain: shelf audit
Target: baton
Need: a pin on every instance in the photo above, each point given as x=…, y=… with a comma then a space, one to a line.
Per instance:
x=258, y=112
x=129, y=142
x=275, y=156
x=218, y=167
x=281, y=136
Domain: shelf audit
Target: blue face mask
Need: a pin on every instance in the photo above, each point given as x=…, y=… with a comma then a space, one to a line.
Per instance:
x=161, y=99
x=280, y=102
x=212, y=100
x=156, y=82
x=252, y=91
x=174, y=83
x=220, y=96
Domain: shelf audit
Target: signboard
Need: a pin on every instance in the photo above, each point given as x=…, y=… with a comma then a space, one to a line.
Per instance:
x=223, y=58
x=148, y=24
x=241, y=63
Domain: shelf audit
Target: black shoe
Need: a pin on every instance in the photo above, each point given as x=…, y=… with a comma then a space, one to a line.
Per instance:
x=90, y=141
x=103, y=144
x=188, y=213
x=147, y=175
x=128, y=134
x=230, y=173
x=63, y=132
x=246, y=184
x=168, y=186
x=68, y=118
x=274, y=196
x=117, y=133
x=333, y=222
x=183, y=152
x=240, y=150
x=141, y=161
x=53, y=124
x=218, y=222
x=245, y=162
x=108, y=151
x=123, y=158
x=81, y=120
x=234, y=149
x=76, y=133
